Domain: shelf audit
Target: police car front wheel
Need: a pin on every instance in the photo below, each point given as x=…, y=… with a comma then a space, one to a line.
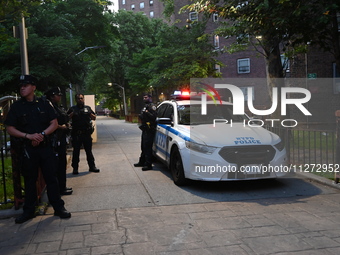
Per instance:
x=176, y=168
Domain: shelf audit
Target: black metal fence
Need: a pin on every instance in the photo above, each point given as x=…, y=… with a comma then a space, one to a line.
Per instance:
x=305, y=146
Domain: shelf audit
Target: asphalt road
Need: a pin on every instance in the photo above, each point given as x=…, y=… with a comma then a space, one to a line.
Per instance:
x=120, y=185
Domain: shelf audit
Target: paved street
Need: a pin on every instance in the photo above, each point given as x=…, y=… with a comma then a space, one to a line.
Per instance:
x=122, y=210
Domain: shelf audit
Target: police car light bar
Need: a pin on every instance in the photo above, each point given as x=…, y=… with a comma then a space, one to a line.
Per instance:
x=185, y=95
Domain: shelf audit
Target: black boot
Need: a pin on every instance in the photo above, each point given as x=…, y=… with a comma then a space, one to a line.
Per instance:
x=24, y=217
x=147, y=167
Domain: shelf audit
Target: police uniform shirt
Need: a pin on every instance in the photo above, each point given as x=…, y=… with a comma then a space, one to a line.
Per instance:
x=81, y=119
x=149, y=116
x=31, y=117
x=62, y=116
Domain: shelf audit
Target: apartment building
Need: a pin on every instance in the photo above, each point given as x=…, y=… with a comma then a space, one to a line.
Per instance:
x=151, y=8
x=250, y=63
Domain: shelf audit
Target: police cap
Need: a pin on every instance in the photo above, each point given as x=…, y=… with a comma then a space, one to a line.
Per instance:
x=53, y=91
x=28, y=79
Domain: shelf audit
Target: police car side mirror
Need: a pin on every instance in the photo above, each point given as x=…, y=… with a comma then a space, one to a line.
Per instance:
x=166, y=121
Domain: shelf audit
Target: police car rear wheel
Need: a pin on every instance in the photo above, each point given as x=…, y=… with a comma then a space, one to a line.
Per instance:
x=176, y=167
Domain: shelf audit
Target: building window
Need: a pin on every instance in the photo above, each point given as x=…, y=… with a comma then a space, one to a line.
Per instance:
x=141, y=5
x=123, y=2
x=217, y=68
x=216, y=41
x=215, y=17
x=336, y=80
x=285, y=63
x=193, y=16
x=151, y=3
x=132, y=6
x=243, y=65
x=152, y=14
x=242, y=39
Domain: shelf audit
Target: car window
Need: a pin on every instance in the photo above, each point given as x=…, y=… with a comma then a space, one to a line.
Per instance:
x=169, y=112
x=161, y=109
x=191, y=114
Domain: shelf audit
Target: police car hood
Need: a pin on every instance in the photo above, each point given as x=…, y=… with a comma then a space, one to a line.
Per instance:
x=235, y=135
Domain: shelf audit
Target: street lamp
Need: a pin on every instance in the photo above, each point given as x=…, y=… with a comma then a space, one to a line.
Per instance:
x=86, y=48
x=92, y=47
x=124, y=100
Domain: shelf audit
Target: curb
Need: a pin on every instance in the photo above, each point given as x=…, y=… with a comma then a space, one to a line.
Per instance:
x=319, y=179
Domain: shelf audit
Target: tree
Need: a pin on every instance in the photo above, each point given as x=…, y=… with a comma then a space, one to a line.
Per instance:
x=322, y=30
x=274, y=26
x=270, y=25
x=179, y=55
x=14, y=10
x=57, y=31
x=151, y=53
x=131, y=38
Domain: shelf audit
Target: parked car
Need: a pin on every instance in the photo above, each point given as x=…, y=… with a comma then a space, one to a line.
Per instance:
x=218, y=146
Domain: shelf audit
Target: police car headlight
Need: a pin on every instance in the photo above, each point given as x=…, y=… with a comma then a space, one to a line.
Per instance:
x=200, y=147
x=280, y=146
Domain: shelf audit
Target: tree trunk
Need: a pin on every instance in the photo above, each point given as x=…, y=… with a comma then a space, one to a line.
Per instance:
x=274, y=72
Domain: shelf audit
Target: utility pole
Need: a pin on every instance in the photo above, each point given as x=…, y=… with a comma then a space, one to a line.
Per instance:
x=23, y=47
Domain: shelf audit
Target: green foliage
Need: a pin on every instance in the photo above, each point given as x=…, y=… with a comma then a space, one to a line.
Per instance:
x=169, y=7
x=56, y=32
x=179, y=55
x=15, y=9
x=284, y=24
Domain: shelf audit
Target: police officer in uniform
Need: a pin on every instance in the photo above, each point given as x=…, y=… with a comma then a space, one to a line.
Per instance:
x=32, y=120
x=148, y=126
x=60, y=143
x=82, y=128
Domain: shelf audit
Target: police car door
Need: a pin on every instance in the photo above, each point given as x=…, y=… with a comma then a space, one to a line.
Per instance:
x=161, y=149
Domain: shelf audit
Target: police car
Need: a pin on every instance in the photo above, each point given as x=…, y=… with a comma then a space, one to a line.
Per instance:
x=216, y=146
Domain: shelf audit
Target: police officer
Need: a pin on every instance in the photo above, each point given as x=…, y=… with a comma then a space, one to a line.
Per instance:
x=60, y=143
x=31, y=120
x=148, y=126
x=82, y=128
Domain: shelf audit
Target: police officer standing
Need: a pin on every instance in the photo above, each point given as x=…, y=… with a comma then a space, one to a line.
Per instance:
x=82, y=128
x=32, y=120
x=148, y=126
x=60, y=143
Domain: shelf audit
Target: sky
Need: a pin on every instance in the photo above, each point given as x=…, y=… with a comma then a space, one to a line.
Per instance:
x=115, y=5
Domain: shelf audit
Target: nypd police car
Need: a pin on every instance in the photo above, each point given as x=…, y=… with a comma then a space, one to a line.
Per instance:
x=216, y=146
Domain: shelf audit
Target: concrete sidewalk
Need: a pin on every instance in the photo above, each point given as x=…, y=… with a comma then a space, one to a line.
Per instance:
x=113, y=212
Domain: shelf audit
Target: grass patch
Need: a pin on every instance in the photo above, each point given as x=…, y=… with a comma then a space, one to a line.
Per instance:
x=8, y=181
x=313, y=139
x=328, y=175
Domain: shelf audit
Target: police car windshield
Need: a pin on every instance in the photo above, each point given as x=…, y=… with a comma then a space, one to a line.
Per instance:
x=191, y=114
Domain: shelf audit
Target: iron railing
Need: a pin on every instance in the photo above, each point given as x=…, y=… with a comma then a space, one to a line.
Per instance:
x=305, y=146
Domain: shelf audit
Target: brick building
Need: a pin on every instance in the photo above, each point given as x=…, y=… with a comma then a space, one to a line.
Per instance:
x=251, y=64
x=151, y=8
x=320, y=69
